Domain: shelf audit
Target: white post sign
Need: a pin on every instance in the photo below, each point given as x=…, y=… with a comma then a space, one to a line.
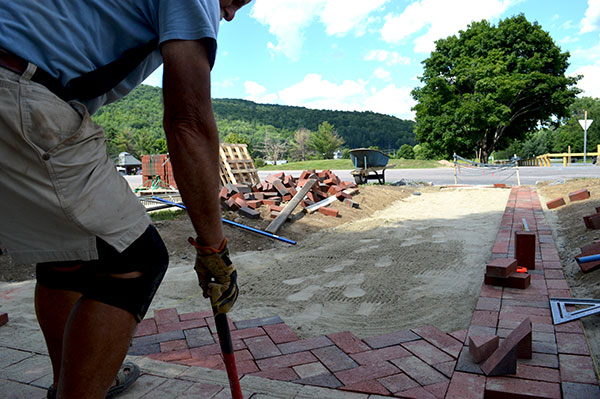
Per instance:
x=585, y=124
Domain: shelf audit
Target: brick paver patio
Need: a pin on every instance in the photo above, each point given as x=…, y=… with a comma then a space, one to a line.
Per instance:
x=423, y=362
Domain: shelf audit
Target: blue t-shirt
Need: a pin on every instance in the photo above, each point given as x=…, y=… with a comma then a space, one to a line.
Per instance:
x=68, y=38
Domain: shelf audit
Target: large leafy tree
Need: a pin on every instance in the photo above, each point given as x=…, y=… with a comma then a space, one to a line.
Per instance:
x=490, y=85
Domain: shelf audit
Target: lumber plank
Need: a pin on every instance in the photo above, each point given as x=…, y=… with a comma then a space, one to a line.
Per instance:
x=289, y=208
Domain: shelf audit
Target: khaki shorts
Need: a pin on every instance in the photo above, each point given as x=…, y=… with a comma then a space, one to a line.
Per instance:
x=58, y=188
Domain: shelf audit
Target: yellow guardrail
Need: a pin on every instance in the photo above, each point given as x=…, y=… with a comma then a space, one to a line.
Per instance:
x=544, y=160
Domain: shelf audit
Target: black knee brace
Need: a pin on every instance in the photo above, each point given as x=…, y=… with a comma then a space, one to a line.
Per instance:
x=127, y=280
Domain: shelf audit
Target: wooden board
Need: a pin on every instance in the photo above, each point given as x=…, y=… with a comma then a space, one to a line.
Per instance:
x=289, y=208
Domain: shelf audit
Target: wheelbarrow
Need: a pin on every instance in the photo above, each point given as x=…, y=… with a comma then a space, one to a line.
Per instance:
x=369, y=164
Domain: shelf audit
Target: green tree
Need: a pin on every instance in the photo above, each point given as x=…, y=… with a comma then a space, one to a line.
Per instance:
x=325, y=141
x=489, y=85
x=405, y=152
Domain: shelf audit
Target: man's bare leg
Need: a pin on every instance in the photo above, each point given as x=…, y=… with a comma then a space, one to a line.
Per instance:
x=52, y=308
x=95, y=341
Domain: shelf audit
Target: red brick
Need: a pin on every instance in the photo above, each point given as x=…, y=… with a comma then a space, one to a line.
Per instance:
x=166, y=316
x=279, y=374
x=348, y=342
x=490, y=304
x=557, y=284
x=537, y=373
x=372, y=387
x=334, y=358
x=183, y=325
x=247, y=333
x=262, y=347
x=328, y=211
x=427, y=352
x=579, y=195
x=484, y=318
x=573, y=327
x=417, y=393
x=366, y=373
x=291, y=360
x=466, y=386
x=214, y=362
x=418, y=370
x=481, y=348
x=390, y=339
x=280, y=333
x=398, y=383
x=195, y=315
x=489, y=291
x=171, y=356
x=504, y=359
x=446, y=368
x=514, y=388
x=205, y=351
x=304, y=345
x=380, y=355
x=502, y=267
x=438, y=390
x=254, y=204
x=555, y=203
x=525, y=249
x=180, y=344
x=460, y=335
x=573, y=344
x=437, y=337
x=145, y=327
x=575, y=368
x=515, y=280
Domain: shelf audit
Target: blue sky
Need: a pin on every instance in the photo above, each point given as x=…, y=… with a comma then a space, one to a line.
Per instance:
x=365, y=55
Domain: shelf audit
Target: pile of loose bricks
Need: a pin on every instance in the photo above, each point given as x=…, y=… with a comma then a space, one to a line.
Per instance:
x=280, y=188
x=591, y=221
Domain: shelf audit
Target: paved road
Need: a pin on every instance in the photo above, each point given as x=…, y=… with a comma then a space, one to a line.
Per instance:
x=529, y=175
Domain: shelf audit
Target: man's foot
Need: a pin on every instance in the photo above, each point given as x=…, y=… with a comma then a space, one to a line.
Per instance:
x=127, y=375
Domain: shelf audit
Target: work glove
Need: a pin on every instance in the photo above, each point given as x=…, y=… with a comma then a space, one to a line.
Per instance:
x=216, y=275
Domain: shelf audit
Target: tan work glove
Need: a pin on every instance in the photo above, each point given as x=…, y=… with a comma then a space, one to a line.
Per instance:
x=216, y=275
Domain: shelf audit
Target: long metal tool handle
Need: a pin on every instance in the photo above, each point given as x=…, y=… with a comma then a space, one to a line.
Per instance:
x=228, y=356
x=243, y=226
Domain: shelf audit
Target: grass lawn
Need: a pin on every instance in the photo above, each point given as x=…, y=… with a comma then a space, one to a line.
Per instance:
x=346, y=164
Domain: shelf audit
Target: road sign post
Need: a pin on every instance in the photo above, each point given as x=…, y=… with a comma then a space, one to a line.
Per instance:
x=585, y=124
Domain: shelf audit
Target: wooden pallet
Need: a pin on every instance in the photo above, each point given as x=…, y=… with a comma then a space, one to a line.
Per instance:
x=236, y=166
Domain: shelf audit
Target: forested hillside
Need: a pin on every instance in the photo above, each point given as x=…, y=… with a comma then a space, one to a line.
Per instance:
x=134, y=124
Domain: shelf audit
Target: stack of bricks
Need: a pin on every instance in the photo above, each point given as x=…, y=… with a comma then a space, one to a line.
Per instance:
x=503, y=272
x=588, y=250
x=592, y=221
x=280, y=188
x=159, y=165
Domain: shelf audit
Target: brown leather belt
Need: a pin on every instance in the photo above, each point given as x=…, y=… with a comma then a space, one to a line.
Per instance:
x=19, y=65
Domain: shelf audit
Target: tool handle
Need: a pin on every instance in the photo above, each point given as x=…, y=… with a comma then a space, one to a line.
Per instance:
x=228, y=357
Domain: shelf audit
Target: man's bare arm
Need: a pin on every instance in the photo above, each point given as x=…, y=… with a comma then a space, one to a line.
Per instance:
x=192, y=135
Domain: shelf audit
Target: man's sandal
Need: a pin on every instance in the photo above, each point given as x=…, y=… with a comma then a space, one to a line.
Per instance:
x=128, y=373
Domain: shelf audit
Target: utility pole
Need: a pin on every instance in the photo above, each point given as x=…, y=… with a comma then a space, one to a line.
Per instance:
x=585, y=125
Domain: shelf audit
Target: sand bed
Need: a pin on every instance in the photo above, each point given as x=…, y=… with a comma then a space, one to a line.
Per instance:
x=418, y=261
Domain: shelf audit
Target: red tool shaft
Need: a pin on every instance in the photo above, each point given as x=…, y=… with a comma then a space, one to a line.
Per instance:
x=228, y=357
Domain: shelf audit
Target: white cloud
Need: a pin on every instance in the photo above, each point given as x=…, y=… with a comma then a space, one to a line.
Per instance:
x=591, y=20
x=389, y=57
x=318, y=93
x=438, y=19
x=342, y=16
x=383, y=74
x=568, y=40
x=590, y=83
x=155, y=78
x=587, y=55
x=288, y=19
x=314, y=88
x=257, y=93
x=392, y=100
